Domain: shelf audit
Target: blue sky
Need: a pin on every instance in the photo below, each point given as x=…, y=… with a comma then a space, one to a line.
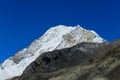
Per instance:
x=22, y=21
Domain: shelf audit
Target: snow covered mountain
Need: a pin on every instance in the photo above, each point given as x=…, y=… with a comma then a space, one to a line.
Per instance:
x=55, y=38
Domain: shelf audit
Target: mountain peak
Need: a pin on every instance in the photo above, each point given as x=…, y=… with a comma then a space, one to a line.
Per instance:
x=57, y=37
x=62, y=30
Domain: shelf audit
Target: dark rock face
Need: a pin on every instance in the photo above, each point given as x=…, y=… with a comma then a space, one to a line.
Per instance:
x=86, y=61
x=59, y=59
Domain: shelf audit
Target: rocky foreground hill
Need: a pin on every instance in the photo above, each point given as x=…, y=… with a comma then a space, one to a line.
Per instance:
x=84, y=61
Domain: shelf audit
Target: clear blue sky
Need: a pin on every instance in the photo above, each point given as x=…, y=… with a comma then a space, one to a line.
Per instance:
x=22, y=21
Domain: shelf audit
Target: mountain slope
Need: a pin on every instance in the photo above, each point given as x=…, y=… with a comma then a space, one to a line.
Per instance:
x=58, y=37
x=77, y=63
x=60, y=59
x=106, y=66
